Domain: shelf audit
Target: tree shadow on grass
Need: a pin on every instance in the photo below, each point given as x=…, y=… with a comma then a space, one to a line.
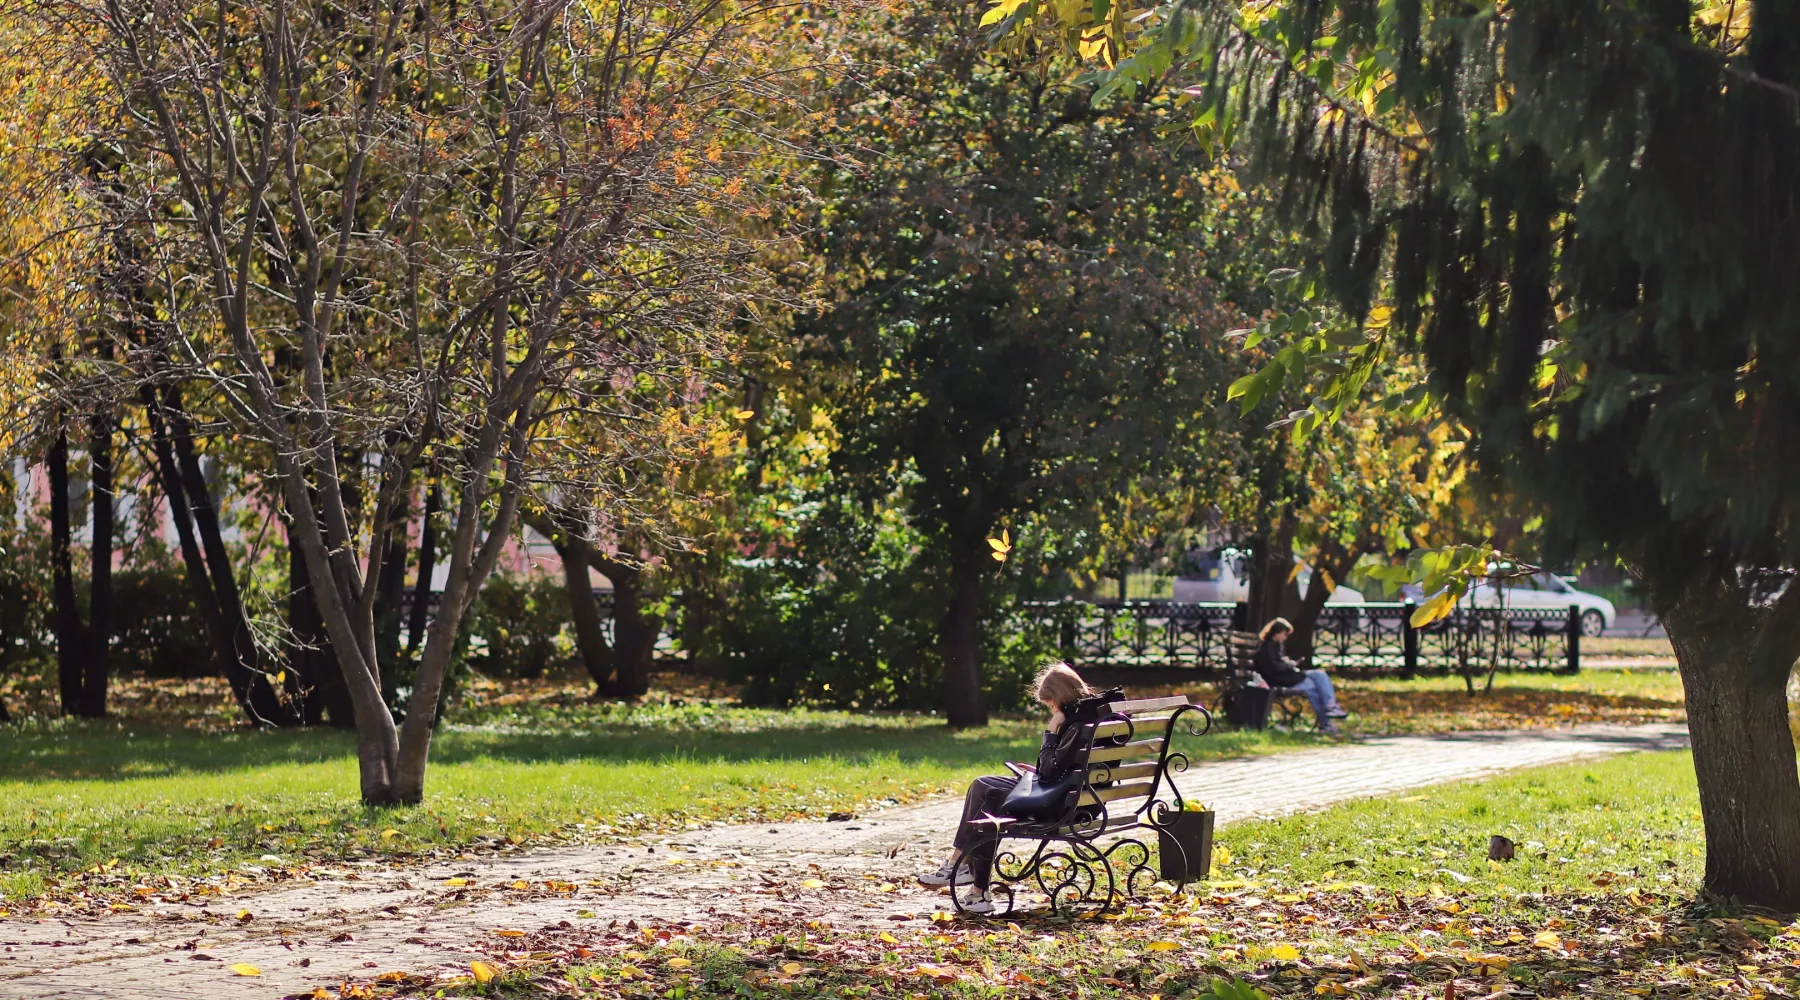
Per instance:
x=107, y=751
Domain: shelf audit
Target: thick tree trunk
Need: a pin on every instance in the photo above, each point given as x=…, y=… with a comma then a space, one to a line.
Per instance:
x=1333, y=561
x=590, y=634
x=960, y=638
x=1271, y=570
x=1734, y=661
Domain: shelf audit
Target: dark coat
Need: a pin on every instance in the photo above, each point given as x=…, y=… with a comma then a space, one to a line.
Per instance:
x=1062, y=748
x=1273, y=664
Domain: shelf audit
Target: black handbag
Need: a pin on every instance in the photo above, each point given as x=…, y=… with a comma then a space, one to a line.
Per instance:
x=1030, y=799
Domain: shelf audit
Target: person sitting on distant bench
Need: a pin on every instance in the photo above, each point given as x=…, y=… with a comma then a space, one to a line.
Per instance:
x=1273, y=664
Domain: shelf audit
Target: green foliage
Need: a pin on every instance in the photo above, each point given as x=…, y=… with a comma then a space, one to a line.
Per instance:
x=1232, y=989
x=157, y=630
x=519, y=626
x=850, y=621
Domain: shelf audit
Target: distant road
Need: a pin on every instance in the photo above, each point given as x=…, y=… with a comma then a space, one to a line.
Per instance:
x=1636, y=625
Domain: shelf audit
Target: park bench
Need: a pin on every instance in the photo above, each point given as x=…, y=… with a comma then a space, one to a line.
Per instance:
x=1090, y=854
x=1290, y=702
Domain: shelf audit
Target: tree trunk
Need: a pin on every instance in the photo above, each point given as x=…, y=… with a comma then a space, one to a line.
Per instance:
x=211, y=580
x=634, y=632
x=1333, y=560
x=1271, y=570
x=590, y=635
x=1734, y=674
x=70, y=636
x=391, y=593
x=324, y=695
x=960, y=636
x=100, y=559
x=421, y=606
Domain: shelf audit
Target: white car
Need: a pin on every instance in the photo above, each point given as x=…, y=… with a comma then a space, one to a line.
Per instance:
x=1545, y=590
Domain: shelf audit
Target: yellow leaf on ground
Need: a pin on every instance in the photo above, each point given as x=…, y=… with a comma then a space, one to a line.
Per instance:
x=483, y=971
x=455, y=882
x=521, y=886
x=244, y=969
x=791, y=968
x=680, y=963
x=389, y=834
x=509, y=932
x=1284, y=953
x=1163, y=946
x=813, y=883
x=889, y=938
x=1546, y=939
x=631, y=972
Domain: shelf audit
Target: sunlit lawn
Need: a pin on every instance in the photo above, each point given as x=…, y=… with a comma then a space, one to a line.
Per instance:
x=1389, y=898
x=173, y=785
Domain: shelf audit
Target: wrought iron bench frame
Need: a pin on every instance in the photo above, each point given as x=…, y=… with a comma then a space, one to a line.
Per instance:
x=1088, y=857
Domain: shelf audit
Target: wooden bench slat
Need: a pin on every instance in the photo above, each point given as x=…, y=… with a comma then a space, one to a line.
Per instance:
x=1148, y=704
x=1122, y=772
x=1142, y=748
x=1142, y=725
x=1113, y=793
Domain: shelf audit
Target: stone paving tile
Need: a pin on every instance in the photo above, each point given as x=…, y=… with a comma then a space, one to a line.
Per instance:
x=413, y=922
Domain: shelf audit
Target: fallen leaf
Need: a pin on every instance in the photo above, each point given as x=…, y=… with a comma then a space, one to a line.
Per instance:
x=244, y=969
x=680, y=963
x=389, y=834
x=1163, y=946
x=889, y=938
x=813, y=883
x=791, y=968
x=455, y=882
x=631, y=972
x=1285, y=953
x=1546, y=939
x=520, y=886
x=482, y=971
x=510, y=932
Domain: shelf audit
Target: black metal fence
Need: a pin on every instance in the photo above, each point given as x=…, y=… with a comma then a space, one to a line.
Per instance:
x=1351, y=639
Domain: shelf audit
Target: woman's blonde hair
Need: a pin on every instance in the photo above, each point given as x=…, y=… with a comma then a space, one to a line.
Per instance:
x=1276, y=625
x=1058, y=684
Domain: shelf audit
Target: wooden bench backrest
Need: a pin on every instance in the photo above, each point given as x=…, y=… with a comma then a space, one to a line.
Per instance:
x=1130, y=768
x=1243, y=649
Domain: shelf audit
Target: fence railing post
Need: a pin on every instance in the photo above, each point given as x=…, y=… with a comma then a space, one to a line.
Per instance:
x=1574, y=641
x=1409, y=641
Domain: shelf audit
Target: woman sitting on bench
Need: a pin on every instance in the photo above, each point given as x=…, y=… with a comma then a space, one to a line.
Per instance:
x=1072, y=704
x=1273, y=664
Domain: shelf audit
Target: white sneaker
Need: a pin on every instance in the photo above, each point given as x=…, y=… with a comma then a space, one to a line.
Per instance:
x=981, y=903
x=946, y=872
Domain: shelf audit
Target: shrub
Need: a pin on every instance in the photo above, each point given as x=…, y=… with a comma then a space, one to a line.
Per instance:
x=519, y=626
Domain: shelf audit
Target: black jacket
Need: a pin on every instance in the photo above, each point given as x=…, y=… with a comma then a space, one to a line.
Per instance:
x=1063, y=748
x=1273, y=664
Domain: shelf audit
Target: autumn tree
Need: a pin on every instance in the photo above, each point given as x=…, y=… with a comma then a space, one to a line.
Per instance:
x=1016, y=300
x=384, y=236
x=1579, y=213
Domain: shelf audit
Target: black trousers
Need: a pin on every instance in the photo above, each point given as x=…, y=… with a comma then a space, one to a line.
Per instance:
x=978, y=841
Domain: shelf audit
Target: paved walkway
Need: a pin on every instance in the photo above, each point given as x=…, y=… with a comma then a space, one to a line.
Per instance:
x=363, y=921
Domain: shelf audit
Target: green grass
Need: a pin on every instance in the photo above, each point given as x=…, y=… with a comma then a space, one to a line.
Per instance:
x=77, y=795
x=1630, y=819
x=1660, y=685
x=1610, y=913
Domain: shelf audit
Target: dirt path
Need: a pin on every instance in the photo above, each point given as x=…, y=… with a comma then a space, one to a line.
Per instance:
x=360, y=922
